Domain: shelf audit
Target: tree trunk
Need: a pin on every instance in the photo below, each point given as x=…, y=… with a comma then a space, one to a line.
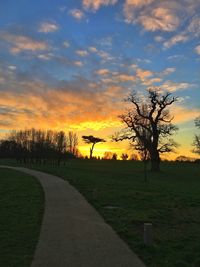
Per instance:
x=155, y=161
x=91, y=150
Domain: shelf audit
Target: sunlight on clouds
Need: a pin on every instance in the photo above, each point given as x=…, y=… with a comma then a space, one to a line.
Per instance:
x=96, y=4
x=96, y=125
x=152, y=17
x=82, y=53
x=47, y=56
x=20, y=43
x=197, y=49
x=171, y=86
x=102, y=72
x=182, y=114
x=47, y=27
x=179, y=38
x=168, y=71
x=125, y=77
x=78, y=63
x=93, y=49
x=159, y=19
x=143, y=74
x=77, y=14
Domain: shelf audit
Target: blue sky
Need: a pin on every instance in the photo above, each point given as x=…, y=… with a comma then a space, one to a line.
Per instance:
x=69, y=64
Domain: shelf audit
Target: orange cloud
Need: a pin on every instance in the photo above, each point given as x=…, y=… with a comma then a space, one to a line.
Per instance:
x=143, y=74
x=183, y=114
x=21, y=43
x=103, y=72
x=96, y=4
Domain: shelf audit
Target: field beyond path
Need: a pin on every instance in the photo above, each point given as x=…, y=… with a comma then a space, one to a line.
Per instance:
x=73, y=233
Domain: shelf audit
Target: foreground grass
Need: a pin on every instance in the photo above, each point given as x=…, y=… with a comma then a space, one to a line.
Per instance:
x=170, y=200
x=21, y=206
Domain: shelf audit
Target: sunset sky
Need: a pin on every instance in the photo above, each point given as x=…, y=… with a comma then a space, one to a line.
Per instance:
x=68, y=64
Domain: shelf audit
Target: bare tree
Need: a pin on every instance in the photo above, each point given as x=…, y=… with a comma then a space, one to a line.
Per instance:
x=196, y=142
x=90, y=139
x=73, y=143
x=148, y=125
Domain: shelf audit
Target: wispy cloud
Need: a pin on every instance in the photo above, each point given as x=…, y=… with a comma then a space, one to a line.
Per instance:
x=171, y=86
x=191, y=31
x=78, y=63
x=179, y=38
x=96, y=4
x=143, y=74
x=167, y=71
x=77, y=14
x=47, y=56
x=152, y=15
x=197, y=49
x=47, y=27
x=82, y=53
x=102, y=72
x=66, y=44
x=20, y=43
x=166, y=16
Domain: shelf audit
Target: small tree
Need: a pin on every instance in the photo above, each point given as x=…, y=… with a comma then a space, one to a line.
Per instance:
x=124, y=156
x=196, y=142
x=133, y=157
x=114, y=157
x=90, y=139
x=148, y=125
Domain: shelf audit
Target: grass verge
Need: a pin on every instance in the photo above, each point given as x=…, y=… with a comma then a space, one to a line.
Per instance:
x=170, y=200
x=21, y=206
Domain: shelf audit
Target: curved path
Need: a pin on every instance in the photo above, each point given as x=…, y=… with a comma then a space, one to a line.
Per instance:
x=73, y=234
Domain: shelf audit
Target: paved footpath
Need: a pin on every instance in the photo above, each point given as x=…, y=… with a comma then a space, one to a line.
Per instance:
x=73, y=234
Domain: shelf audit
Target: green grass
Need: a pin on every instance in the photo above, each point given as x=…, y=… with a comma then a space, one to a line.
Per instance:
x=21, y=210
x=170, y=200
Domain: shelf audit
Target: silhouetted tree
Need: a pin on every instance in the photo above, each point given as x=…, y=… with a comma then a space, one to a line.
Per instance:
x=124, y=156
x=38, y=146
x=148, y=125
x=90, y=139
x=196, y=142
x=73, y=143
x=114, y=157
x=133, y=157
x=110, y=155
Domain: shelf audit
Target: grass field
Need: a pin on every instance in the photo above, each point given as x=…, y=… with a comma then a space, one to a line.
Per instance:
x=170, y=200
x=21, y=206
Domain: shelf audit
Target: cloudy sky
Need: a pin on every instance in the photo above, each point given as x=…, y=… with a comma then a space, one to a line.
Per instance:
x=68, y=64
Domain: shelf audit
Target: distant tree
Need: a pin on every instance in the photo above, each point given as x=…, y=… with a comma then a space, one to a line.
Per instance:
x=38, y=146
x=72, y=140
x=90, y=139
x=148, y=125
x=133, y=157
x=182, y=158
x=124, y=156
x=108, y=155
x=196, y=142
x=114, y=157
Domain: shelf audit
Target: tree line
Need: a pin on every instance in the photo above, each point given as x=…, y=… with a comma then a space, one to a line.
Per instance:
x=39, y=146
x=148, y=127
